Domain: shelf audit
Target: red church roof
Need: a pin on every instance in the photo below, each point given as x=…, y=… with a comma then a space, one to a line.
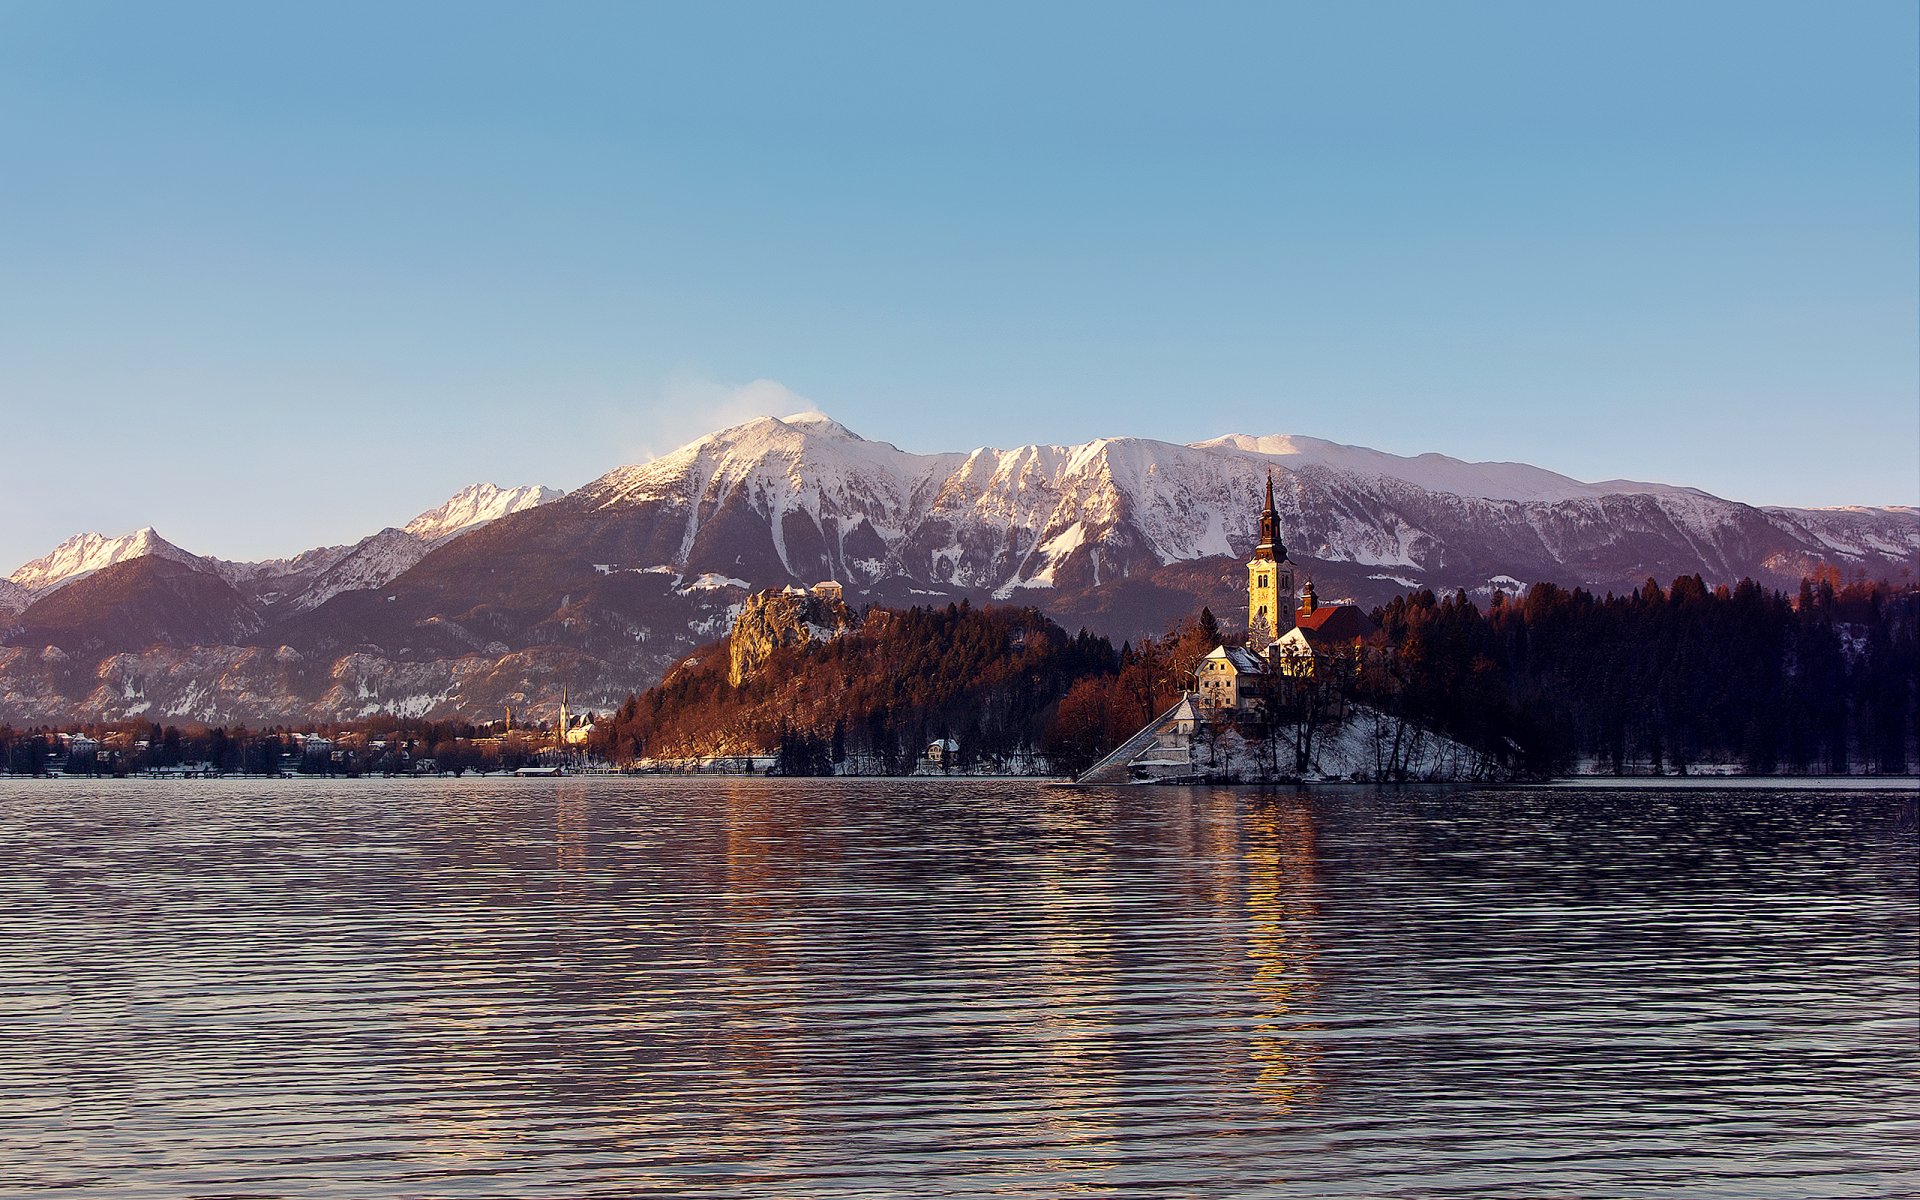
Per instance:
x=1334, y=623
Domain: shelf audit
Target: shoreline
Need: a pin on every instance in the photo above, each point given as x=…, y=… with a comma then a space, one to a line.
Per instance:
x=1568, y=783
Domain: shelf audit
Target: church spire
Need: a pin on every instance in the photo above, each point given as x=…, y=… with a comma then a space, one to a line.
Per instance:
x=1269, y=546
x=1269, y=581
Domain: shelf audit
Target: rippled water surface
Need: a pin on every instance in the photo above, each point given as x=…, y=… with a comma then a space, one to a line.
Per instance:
x=614, y=987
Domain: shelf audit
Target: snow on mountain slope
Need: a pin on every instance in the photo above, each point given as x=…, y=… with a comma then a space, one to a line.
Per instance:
x=1862, y=532
x=803, y=463
x=474, y=505
x=369, y=563
x=833, y=503
x=311, y=579
x=804, y=498
x=85, y=553
x=265, y=574
x=306, y=579
x=990, y=519
x=1431, y=472
x=854, y=495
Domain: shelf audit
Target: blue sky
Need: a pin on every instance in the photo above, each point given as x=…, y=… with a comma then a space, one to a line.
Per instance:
x=273, y=276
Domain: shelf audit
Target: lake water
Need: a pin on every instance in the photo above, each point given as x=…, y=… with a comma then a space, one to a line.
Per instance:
x=639, y=987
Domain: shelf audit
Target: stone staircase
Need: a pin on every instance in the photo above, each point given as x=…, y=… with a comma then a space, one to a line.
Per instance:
x=1174, y=755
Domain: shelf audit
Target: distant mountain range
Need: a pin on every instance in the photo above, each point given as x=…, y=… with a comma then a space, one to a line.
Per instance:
x=300, y=582
x=500, y=596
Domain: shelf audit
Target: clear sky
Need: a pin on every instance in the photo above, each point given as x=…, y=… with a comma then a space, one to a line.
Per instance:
x=276, y=275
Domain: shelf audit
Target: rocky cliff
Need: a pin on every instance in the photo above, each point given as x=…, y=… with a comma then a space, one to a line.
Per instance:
x=784, y=617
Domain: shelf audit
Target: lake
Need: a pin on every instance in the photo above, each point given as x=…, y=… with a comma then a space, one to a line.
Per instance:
x=642, y=986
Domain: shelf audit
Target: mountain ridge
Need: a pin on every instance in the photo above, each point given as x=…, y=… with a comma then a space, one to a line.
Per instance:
x=315, y=574
x=602, y=587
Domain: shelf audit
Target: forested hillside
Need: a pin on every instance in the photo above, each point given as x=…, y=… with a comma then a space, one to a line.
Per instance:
x=1662, y=679
x=987, y=678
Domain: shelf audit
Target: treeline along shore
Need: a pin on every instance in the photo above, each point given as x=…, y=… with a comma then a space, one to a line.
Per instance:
x=1555, y=681
x=1681, y=678
x=381, y=746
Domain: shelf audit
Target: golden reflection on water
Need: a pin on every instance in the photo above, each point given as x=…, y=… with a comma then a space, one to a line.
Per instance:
x=503, y=942
x=1281, y=910
x=1243, y=896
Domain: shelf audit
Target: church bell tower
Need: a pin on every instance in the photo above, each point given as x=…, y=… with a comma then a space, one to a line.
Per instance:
x=1269, y=582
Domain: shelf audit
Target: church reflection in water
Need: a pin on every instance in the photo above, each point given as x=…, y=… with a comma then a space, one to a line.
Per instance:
x=772, y=959
x=1279, y=858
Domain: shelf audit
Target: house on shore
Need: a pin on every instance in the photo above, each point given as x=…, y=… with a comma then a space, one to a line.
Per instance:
x=1231, y=677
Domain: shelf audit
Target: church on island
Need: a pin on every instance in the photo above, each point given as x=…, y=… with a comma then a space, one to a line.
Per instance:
x=1284, y=643
x=1293, y=642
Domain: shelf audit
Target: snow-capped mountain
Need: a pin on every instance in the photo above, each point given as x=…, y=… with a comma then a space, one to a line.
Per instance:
x=502, y=595
x=1432, y=472
x=824, y=502
x=316, y=576
x=300, y=582
x=85, y=553
x=476, y=505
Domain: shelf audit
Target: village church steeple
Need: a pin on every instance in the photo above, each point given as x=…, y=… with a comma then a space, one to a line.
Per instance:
x=1270, y=545
x=1269, y=581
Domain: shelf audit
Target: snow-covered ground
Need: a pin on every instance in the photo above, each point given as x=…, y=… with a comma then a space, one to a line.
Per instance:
x=1361, y=744
x=1354, y=742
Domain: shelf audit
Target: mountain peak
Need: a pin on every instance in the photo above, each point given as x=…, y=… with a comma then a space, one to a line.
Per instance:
x=811, y=423
x=476, y=504
x=84, y=553
x=815, y=421
x=600, y=592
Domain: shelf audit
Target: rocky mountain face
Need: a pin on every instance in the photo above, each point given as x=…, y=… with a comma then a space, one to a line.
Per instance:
x=772, y=619
x=602, y=588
